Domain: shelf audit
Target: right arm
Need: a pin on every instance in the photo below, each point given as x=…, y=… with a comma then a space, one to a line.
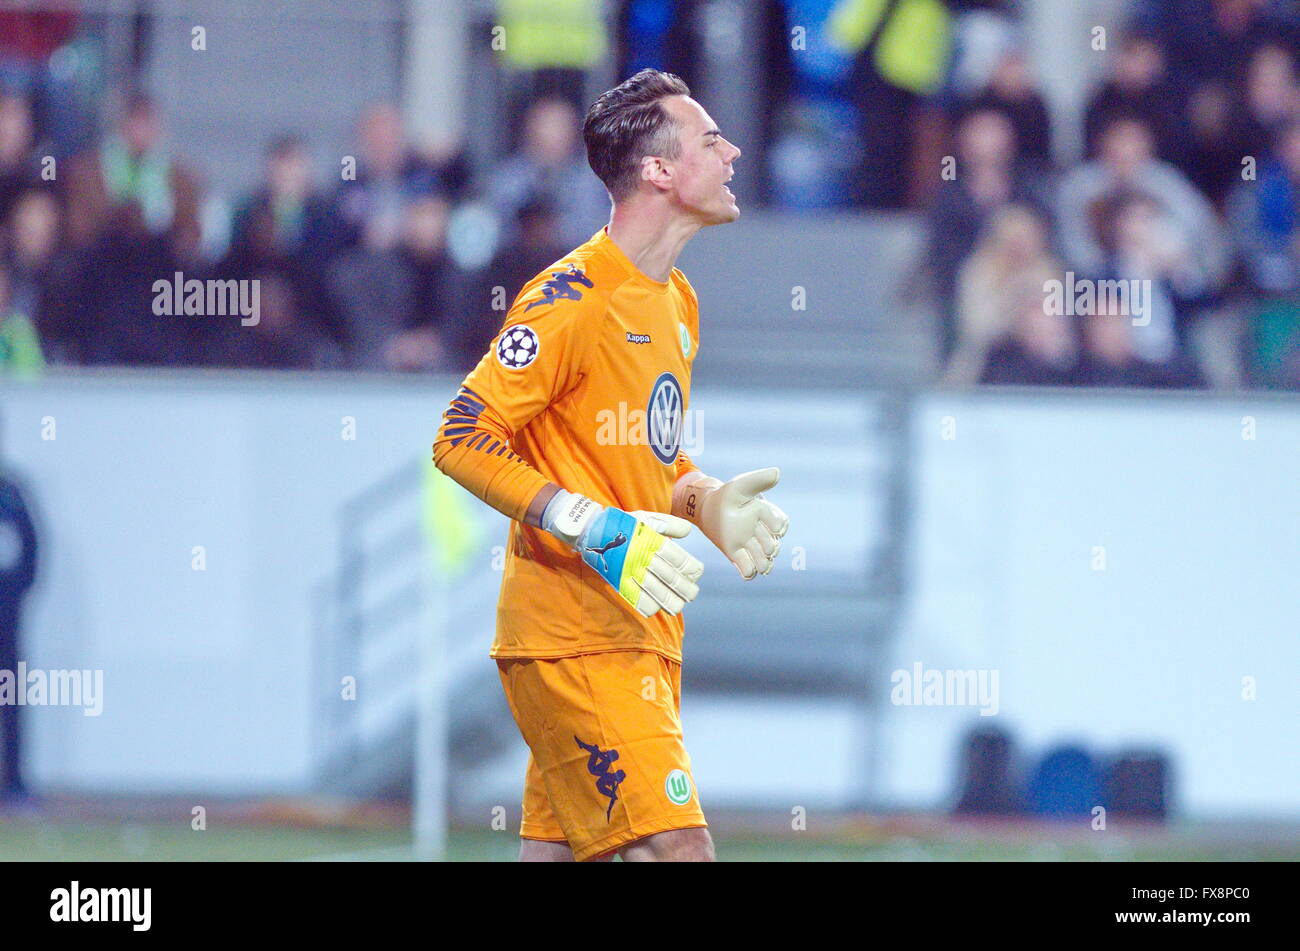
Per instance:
x=473, y=448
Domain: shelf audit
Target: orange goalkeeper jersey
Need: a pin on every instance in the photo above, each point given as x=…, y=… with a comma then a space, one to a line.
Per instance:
x=586, y=386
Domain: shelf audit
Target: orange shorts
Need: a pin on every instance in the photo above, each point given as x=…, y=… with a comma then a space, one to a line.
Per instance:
x=608, y=765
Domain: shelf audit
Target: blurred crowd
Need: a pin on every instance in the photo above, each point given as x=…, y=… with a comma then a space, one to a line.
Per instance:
x=358, y=273
x=354, y=276
x=1185, y=195
x=1185, y=190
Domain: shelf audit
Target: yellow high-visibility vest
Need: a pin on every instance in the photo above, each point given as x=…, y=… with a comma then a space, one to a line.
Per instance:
x=912, y=49
x=538, y=34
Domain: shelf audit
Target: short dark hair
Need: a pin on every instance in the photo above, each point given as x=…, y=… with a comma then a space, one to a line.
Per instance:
x=138, y=101
x=285, y=143
x=628, y=123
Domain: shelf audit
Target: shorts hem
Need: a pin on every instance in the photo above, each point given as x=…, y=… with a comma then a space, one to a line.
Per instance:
x=627, y=836
x=524, y=654
x=527, y=831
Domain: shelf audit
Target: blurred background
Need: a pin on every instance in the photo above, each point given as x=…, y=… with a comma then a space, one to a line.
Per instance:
x=1034, y=603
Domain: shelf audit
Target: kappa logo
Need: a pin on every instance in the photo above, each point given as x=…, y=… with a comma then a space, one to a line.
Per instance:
x=638, y=338
x=563, y=285
x=598, y=764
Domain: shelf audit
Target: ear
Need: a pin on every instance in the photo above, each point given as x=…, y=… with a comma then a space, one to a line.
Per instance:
x=654, y=171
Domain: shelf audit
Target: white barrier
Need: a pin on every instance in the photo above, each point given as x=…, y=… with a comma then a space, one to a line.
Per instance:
x=206, y=672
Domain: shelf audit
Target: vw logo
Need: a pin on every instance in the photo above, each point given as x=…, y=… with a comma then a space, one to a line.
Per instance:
x=664, y=418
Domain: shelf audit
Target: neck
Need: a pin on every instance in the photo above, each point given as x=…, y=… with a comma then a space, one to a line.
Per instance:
x=651, y=237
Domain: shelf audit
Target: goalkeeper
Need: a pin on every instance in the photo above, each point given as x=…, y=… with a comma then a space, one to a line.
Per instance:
x=589, y=625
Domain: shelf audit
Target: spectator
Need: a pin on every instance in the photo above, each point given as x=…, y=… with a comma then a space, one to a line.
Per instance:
x=1143, y=244
x=18, y=564
x=28, y=40
x=1039, y=349
x=1110, y=358
x=20, y=347
x=389, y=175
x=299, y=219
x=553, y=48
x=132, y=217
x=551, y=163
x=900, y=52
x=1213, y=48
x=986, y=179
x=437, y=287
x=1272, y=98
x=110, y=317
x=34, y=228
x=1211, y=158
x=399, y=293
x=1012, y=254
x=1211, y=41
x=1266, y=222
x=1137, y=86
x=44, y=275
x=19, y=163
x=288, y=229
x=538, y=243
x=1266, y=216
x=988, y=775
x=1011, y=90
x=281, y=339
x=653, y=34
x=1127, y=160
x=131, y=185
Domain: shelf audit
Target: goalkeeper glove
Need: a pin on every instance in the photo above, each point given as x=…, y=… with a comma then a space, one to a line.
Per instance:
x=735, y=517
x=633, y=551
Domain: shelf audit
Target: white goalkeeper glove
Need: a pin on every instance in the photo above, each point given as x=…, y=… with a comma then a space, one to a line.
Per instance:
x=633, y=551
x=735, y=517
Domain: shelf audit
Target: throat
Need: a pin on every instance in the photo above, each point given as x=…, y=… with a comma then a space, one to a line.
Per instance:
x=652, y=246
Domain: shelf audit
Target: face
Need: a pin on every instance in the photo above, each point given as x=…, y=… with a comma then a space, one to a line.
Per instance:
x=425, y=227
x=35, y=226
x=1140, y=64
x=549, y=135
x=15, y=126
x=141, y=129
x=1109, y=337
x=289, y=172
x=1126, y=148
x=383, y=139
x=1270, y=85
x=1011, y=76
x=697, y=178
x=1289, y=151
x=987, y=138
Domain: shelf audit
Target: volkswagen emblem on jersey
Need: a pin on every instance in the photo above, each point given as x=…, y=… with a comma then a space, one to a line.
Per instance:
x=664, y=418
x=517, y=347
